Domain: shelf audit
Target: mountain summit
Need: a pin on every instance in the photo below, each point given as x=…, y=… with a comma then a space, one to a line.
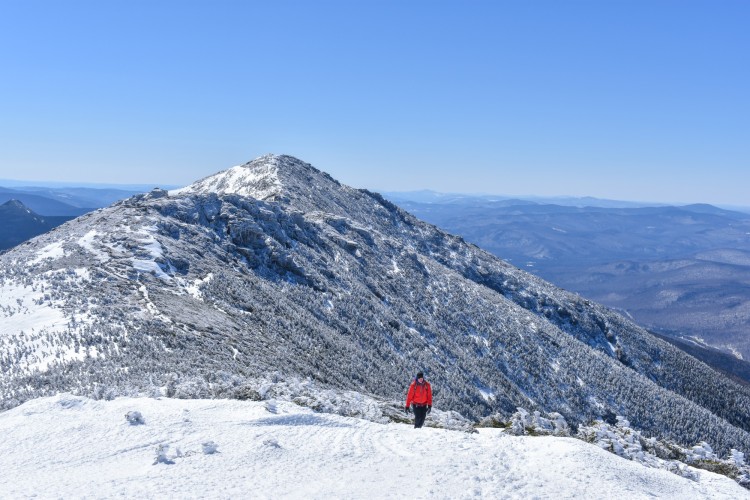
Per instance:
x=274, y=269
x=276, y=178
x=14, y=208
x=259, y=179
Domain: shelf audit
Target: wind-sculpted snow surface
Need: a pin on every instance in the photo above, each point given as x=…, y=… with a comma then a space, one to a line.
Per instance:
x=242, y=449
x=202, y=291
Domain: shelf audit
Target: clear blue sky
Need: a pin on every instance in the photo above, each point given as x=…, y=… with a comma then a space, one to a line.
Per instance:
x=636, y=100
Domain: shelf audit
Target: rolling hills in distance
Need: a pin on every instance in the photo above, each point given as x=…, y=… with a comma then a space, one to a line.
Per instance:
x=679, y=271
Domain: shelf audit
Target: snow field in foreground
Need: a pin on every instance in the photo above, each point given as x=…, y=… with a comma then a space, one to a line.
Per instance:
x=73, y=447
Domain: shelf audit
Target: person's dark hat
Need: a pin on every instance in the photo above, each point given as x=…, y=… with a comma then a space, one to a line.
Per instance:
x=420, y=375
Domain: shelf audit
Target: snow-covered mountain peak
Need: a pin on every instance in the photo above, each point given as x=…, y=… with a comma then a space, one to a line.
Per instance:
x=268, y=178
x=257, y=179
x=281, y=179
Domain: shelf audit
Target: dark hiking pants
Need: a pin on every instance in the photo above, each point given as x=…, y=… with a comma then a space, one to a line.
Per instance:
x=420, y=412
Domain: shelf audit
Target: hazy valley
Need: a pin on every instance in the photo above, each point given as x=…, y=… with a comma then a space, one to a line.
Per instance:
x=681, y=271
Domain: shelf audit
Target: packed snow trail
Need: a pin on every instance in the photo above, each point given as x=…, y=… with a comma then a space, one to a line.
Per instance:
x=73, y=447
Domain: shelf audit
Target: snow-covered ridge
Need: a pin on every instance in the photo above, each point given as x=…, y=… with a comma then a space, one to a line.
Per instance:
x=336, y=284
x=257, y=179
x=249, y=449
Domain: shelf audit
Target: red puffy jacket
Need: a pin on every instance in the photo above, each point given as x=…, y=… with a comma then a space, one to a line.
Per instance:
x=419, y=394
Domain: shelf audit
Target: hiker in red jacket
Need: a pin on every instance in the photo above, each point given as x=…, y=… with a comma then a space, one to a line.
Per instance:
x=419, y=398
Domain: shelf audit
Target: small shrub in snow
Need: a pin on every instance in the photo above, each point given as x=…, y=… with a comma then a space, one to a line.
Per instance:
x=134, y=418
x=271, y=443
x=106, y=393
x=522, y=423
x=701, y=451
x=737, y=457
x=209, y=448
x=272, y=406
x=449, y=420
x=494, y=421
x=191, y=388
x=163, y=455
x=246, y=392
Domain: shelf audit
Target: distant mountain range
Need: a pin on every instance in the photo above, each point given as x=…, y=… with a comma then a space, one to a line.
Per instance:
x=682, y=271
x=65, y=201
x=41, y=204
x=19, y=223
x=275, y=267
x=27, y=211
x=436, y=197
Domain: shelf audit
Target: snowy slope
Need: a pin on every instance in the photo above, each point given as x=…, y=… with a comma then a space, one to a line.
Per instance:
x=73, y=447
